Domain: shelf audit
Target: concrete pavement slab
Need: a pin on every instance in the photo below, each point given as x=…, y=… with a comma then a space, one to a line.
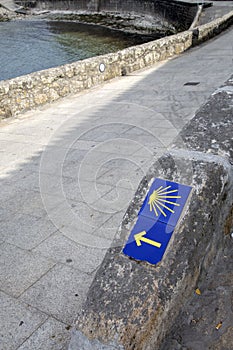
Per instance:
x=20, y=269
x=113, y=222
x=11, y=150
x=84, y=145
x=83, y=171
x=90, y=217
x=63, y=250
x=27, y=180
x=27, y=202
x=18, y=322
x=59, y=292
x=115, y=177
x=109, y=229
x=75, y=232
x=51, y=335
x=26, y=231
x=67, y=218
x=80, y=191
x=117, y=199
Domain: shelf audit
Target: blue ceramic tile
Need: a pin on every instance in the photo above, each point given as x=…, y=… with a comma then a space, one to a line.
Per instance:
x=148, y=240
x=165, y=201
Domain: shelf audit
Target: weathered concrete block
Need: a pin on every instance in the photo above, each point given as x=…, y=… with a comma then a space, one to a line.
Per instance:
x=210, y=131
x=132, y=304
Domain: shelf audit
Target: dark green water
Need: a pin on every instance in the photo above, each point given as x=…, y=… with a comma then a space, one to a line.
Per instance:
x=29, y=46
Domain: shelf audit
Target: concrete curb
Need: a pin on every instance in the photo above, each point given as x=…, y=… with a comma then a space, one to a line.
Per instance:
x=131, y=304
x=197, y=17
x=33, y=90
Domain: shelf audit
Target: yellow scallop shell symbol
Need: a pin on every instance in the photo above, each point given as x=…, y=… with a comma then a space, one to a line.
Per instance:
x=159, y=198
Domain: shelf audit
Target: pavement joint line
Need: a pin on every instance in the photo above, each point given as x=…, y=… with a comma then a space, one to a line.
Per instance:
x=31, y=249
x=49, y=317
x=33, y=331
x=56, y=262
x=36, y=246
x=27, y=304
x=14, y=245
x=44, y=274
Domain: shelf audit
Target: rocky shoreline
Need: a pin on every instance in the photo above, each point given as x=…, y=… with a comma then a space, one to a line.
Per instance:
x=128, y=23
x=131, y=23
x=6, y=15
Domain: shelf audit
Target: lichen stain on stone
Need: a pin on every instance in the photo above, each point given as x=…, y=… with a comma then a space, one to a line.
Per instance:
x=136, y=335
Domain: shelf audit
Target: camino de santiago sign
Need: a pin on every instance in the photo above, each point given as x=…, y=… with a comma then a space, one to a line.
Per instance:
x=156, y=221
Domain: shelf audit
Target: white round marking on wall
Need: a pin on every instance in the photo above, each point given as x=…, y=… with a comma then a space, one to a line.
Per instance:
x=102, y=67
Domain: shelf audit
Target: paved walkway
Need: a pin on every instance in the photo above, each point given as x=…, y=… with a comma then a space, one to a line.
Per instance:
x=219, y=9
x=68, y=173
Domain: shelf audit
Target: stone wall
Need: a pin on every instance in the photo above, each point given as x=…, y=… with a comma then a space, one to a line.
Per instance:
x=209, y=30
x=32, y=90
x=137, y=6
x=36, y=89
x=86, y=5
x=179, y=13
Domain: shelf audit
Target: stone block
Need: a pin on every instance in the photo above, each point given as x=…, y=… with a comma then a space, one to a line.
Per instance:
x=215, y=119
x=128, y=302
x=40, y=99
x=132, y=304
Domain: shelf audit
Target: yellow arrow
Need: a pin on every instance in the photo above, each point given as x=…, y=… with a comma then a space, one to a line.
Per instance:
x=139, y=239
